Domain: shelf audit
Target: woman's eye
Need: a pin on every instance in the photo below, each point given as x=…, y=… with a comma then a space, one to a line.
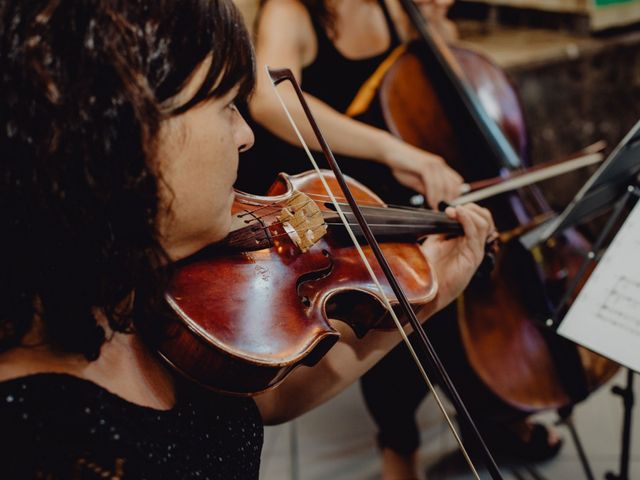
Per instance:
x=232, y=105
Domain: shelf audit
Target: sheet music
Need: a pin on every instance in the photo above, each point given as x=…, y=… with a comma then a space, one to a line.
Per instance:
x=606, y=315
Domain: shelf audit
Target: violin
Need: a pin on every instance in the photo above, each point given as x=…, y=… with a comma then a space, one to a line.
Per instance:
x=292, y=269
x=456, y=103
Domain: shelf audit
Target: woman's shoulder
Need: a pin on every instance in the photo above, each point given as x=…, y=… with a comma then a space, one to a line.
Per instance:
x=286, y=26
x=286, y=7
x=292, y=13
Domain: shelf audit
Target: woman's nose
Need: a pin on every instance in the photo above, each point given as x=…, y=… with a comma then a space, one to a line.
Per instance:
x=244, y=135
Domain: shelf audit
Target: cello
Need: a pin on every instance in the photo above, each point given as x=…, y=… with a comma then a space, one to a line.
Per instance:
x=457, y=104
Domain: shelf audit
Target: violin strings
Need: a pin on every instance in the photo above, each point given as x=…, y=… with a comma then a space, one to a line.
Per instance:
x=279, y=235
x=260, y=217
x=274, y=206
x=369, y=203
x=374, y=278
x=272, y=236
x=376, y=204
x=341, y=198
x=398, y=209
x=352, y=224
x=375, y=211
x=372, y=212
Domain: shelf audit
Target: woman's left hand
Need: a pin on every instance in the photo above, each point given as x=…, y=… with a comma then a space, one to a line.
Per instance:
x=456, y=260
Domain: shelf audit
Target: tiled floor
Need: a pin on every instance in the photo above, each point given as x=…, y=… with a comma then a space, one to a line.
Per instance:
x=336, y=442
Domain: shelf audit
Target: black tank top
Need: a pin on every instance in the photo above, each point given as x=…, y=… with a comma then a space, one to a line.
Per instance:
x=332, y=78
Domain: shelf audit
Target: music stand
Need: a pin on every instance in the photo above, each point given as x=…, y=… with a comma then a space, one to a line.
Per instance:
x=613, y=186
x=600, y=192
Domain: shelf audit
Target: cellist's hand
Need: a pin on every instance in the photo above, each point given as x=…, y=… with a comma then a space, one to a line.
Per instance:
x=422, y=171
x=456, y=260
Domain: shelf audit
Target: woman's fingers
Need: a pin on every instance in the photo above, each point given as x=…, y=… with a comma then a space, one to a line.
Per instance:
x=424, y=172
x=477, y=224
x=441, y=182
x=453, y=185
x=485, y=214
x=435, y=191
x=410, y=180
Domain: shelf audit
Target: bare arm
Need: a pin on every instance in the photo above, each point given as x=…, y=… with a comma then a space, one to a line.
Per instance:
x=454, y=262
x=284, y=39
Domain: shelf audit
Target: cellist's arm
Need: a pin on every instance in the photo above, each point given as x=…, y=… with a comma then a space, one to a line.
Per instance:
x=454, y=262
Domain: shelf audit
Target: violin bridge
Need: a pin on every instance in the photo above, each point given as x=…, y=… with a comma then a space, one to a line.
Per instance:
x=303, y=221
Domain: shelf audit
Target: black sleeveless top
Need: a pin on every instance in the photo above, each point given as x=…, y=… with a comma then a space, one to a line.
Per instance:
x=60, y=426
x=332, y=78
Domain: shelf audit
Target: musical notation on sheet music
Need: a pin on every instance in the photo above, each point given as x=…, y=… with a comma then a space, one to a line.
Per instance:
x=622, y=305
x=605, y=316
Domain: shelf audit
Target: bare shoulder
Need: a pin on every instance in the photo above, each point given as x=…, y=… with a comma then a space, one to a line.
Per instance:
x=286, y=21
x=292, y=9
x=20, y=362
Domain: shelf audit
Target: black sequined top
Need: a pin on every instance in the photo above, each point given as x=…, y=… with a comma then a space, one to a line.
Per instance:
x=56, y=426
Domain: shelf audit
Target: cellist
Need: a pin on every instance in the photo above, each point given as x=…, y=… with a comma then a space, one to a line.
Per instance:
x=120, y=141
x=333, y=47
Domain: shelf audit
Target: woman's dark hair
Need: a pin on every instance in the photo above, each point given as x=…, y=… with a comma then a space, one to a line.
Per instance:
x=81, y=88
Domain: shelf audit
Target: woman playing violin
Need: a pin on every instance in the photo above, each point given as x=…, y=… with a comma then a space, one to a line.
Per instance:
x=120, y=141
x=333, y=47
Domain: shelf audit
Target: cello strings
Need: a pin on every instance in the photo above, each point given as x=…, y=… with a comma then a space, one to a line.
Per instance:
x=374, y=278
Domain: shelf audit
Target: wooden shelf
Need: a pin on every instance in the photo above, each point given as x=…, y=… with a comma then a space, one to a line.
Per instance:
x=600, y=14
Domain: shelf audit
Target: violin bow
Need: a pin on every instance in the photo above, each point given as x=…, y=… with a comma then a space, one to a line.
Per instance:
x=280, y=75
